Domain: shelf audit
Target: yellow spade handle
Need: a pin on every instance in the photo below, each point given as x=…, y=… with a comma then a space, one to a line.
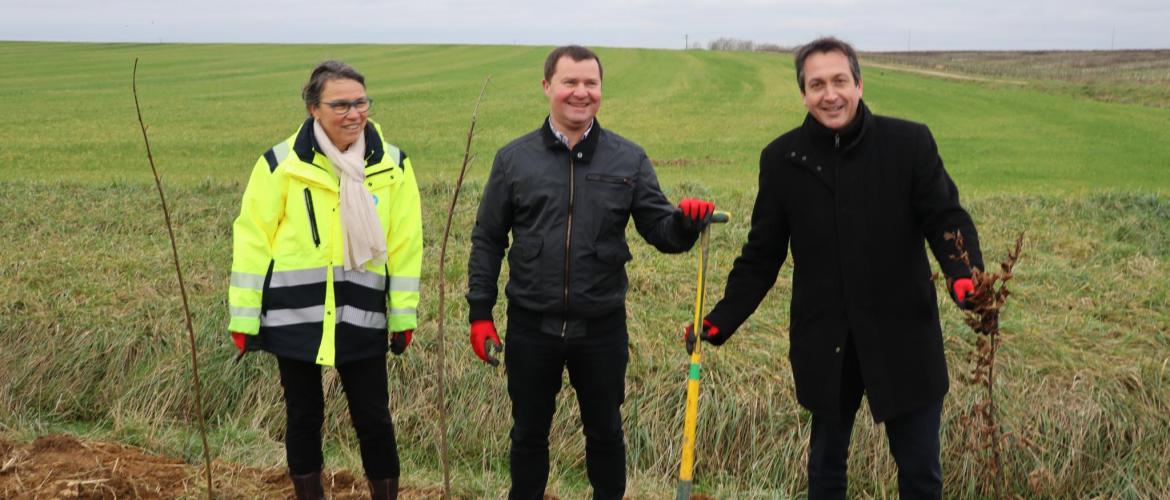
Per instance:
x=690, y=419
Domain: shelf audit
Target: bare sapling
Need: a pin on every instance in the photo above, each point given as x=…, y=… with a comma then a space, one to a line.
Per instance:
x=468, y=158
x=182, y=287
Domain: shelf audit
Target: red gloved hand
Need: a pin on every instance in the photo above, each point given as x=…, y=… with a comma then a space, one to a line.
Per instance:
x=710, y=334
x=399, y=341
x=963, y=289
x=484, y=340
x=694, y=214
x=240, y=340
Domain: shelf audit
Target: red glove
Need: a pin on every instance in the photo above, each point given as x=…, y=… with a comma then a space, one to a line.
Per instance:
x=240, y=340
x=399, y=341
x=694, y=214
x=710, y=333
x=484, y=340
x=963, y=289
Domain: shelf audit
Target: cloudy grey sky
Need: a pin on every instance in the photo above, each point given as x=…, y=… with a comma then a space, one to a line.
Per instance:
x=871, y=25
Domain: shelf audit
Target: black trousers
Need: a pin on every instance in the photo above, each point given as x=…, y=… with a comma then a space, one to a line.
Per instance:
x=365, y=386
x=913, y=438
x=597, y=370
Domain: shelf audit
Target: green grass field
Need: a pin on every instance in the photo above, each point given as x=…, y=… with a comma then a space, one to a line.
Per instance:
x=91, y=331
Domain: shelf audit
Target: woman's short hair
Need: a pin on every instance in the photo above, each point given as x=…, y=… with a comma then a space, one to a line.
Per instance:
x=324, y=72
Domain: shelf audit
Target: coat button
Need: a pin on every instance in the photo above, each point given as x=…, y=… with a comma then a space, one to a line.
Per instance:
x=838, y=350
x=818, y=168
x=579, y=155
x=803, y=158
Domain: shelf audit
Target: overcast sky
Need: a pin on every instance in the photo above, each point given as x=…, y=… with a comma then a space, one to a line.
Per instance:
x=870, y=25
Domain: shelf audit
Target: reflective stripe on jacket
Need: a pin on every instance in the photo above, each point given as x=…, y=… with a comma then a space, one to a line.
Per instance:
x=288, y=283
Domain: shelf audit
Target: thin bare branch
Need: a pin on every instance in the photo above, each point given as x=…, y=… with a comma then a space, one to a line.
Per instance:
x=467, y=159
x=182, y=287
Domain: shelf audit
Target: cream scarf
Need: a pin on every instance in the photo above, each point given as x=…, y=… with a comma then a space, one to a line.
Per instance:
x=365, y=243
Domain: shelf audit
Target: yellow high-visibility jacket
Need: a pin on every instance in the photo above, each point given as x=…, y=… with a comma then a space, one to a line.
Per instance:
x=289, y=286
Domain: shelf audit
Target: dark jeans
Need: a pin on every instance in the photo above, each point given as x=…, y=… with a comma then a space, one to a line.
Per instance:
x=365, y=386
x=913, y=438
x=597, y=371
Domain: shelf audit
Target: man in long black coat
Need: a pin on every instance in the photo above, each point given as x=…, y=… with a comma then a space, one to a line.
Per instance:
x=855, y=195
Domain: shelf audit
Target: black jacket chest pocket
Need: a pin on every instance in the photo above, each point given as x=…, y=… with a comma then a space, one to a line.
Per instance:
x=613, y=192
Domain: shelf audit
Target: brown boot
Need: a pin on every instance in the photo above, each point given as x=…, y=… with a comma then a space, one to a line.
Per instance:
x=308, y=486
x=383, y=489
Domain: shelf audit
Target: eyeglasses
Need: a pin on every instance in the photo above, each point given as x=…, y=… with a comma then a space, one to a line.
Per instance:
x=343, y=107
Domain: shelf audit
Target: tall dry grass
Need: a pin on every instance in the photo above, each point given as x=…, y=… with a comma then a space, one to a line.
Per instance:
x=91, y=341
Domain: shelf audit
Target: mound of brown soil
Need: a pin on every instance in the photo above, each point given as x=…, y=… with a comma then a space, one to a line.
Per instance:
x=60, y=466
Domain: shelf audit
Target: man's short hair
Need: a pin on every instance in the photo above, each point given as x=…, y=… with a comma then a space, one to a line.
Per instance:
x=826, y=44
x=576, y=52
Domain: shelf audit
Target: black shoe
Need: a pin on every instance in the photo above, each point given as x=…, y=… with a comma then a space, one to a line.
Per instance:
x=383, y=489
x=308, y=486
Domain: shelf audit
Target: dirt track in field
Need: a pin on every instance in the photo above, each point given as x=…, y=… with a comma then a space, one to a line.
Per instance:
x=942, y=74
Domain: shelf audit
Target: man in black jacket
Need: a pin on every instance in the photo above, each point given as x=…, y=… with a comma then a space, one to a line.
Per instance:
x=855, y=195
x=566, y=193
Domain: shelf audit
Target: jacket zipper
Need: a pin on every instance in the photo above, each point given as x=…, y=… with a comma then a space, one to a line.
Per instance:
x=837, y=141
x=568, y=243
x=312, y=218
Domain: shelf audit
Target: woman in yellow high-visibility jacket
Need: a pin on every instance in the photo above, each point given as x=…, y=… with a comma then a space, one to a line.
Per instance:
x=326, y=259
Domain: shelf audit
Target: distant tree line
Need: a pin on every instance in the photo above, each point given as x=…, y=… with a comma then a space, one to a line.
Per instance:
x=740, y=45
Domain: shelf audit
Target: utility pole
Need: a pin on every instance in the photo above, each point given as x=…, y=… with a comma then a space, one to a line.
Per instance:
x=907, y=40
x=686, y=41
x=1113, y=38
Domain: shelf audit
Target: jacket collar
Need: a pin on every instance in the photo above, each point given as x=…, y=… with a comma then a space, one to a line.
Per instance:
x=307, y=148
x=583, y=151
x=850, y=136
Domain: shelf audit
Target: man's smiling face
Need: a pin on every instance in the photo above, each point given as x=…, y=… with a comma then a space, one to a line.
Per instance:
x=574, y=94
x=830, y=93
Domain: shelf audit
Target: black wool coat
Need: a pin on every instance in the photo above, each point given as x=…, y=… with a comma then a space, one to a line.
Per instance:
x=856, y=208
